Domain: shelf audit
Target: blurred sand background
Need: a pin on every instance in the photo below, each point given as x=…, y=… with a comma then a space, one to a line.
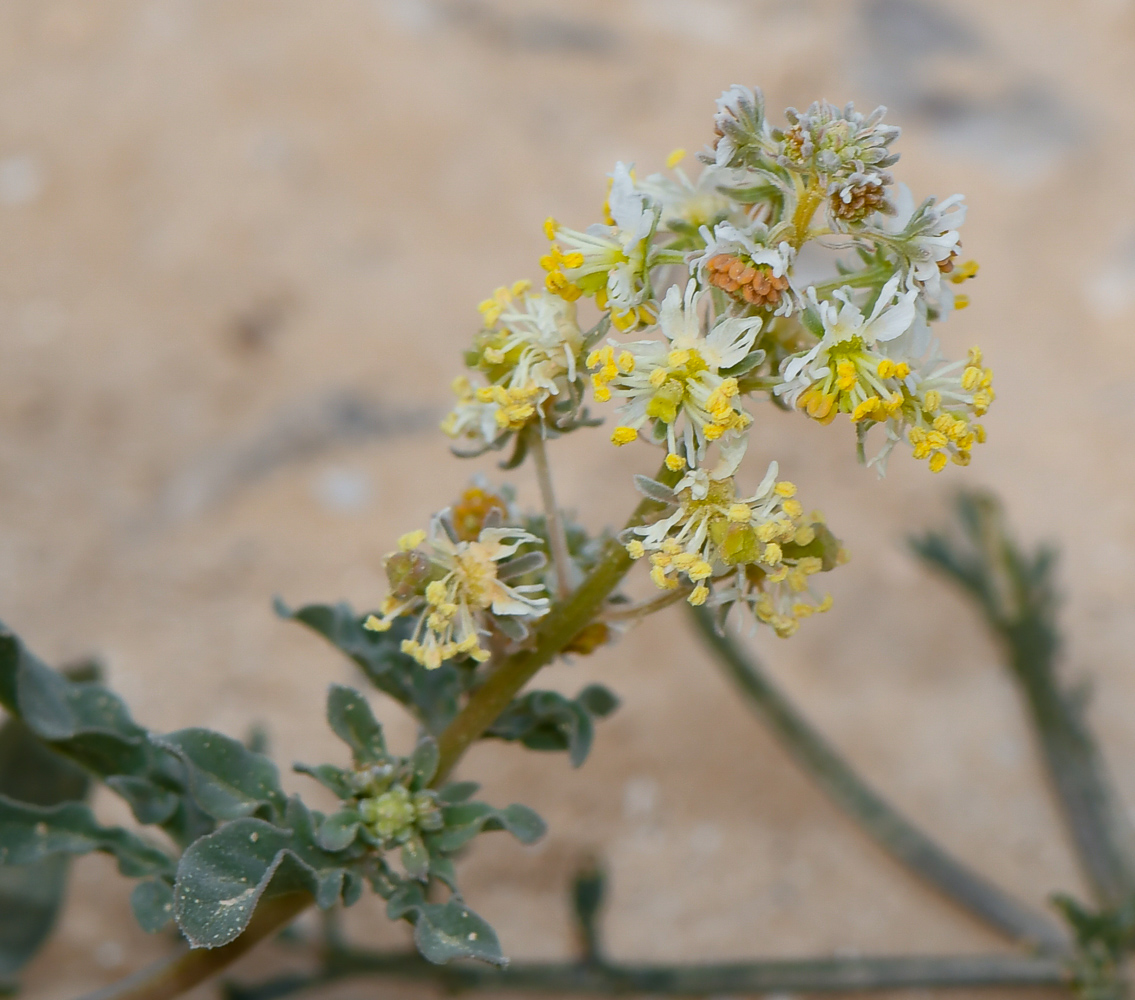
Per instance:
x=241, y=247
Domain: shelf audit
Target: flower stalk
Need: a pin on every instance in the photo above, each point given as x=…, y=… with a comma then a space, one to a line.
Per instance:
x=557, y=537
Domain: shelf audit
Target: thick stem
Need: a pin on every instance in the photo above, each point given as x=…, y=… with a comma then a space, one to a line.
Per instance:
x=736, y=978
x=186, y=969
x=557, y=539
x=556, y=629
x=875, y=816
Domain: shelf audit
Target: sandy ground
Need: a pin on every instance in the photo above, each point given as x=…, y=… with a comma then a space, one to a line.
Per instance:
x=241, y=245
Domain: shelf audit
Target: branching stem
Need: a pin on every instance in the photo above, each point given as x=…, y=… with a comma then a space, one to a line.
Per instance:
x=736, y=978
x=875, y=816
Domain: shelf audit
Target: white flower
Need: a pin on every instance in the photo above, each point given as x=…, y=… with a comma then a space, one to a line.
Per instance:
x=465, y=590
x=740, y=126
x=677, y=383
x=926, y=239
x=528, y=353
x=847, y=340
x=757, y=550
x=689, y=203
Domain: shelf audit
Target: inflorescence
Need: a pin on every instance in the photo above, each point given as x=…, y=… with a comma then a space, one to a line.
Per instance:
x=708, y=274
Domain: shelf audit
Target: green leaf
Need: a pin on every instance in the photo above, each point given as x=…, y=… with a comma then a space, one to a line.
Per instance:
x=335, y=779
x=226, y=779
x=352, y=721
x=431, y=695
x=30, y=898
x=445, y=931
x=152, y=903
x=223, y=876
x=457, y=791
x=338, y=831
x=546, y=720
x=464, y=821
x=423, y=762
x=30, y=833
x=31, y=895
x=86, y=723
x=416, y=859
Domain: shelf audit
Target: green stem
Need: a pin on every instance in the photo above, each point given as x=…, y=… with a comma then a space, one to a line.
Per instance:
x=878, y=819
x=557, y=540
x=555, y=631
x=1096, y=822
x=736, y=978
x=858, y=279
x=173, y=976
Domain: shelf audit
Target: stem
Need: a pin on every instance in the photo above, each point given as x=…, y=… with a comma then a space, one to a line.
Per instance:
x=603, y=979
x=557, y=539
x=186, y=969
x=1099, y=829
x=554, y=632
x=633, y=612
x=858, y=279
x=877, y=818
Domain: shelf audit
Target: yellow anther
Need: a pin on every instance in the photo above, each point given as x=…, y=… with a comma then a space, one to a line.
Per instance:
x=902, y=370
x=974, y=357
x=550, y=227
x=981, y=400
x=623, y=435
x=573, y=259
x=677, y=359
x=785, y=489
x=802, y=610
x=964, y=271
x=846, y=377
x=411, y=540
x=886, y=368
x=778, y=574
x=825, y=604
x=436, y=593
x=520, y=287
x=971, y=377
x=961, y=301
x=660, y=559
x=805, y=535
x=936, y=439
x=698, y=595
x=772, y=554
x=626, y=362
x=684, y=560
x=932, y=401
x=675, y=463
x=594, y=359
x=624, y=320
x=938, y=461
x=602, y=394
x=739, y=512
x=675, y=157
x=714, y=431
x=635, y=549
x=658, y=377
x=701, y=570
x=866, y=409
x=979, y=432
x=661, y=580
x=793, y=508
x=376, y=624
x=961, y=457
x=671, y=546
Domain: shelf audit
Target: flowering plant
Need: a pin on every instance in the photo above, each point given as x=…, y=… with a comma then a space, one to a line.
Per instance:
x=791, y=269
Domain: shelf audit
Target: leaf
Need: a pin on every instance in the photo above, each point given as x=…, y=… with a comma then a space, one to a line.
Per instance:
x=423, y=762
x=30, y=898
x=546, y=720
x=338, y=831
x=226, y=779
x=457, y=791
x=223, y=876
x=86, y=723
x=431, y=695
x=445, y=931
x=31, y=833
x=464, y=821
x=31, y=895
x=336, y=779
x=416, y=859
x=352, y=721
x=152, y=903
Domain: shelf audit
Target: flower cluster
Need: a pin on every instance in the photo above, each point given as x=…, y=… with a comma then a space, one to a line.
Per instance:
x=703, y=305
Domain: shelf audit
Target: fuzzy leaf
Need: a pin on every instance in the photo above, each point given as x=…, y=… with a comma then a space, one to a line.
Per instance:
x=338, y=831
x=464, y=821
x=222, y=877
x=152, y=903
x=226, y=779
x=336, y=779
x=424, y=761
x=546, y=720
x=352, y=721
x=30, y=833
x=445, y=931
